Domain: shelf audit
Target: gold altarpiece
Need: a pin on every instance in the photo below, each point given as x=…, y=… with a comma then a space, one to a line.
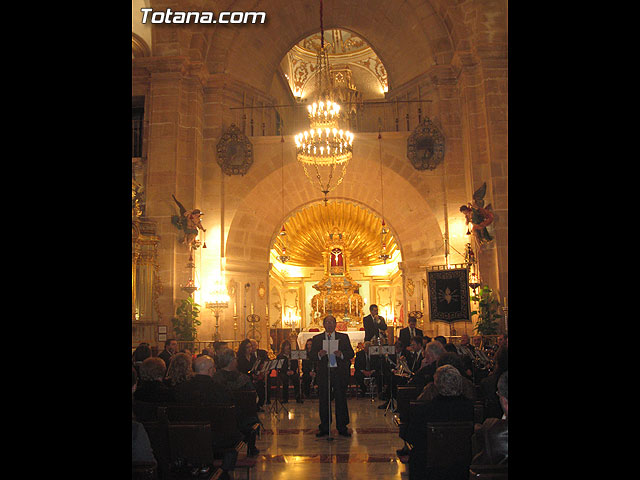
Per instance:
x=145, y=282
x=338, y=294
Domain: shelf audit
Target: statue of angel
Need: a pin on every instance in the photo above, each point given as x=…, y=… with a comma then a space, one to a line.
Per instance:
x=189, y=222
x=479, y=215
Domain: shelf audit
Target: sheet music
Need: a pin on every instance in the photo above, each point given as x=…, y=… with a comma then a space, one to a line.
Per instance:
x=374, y=350
x=298, y=354
x=331, y=346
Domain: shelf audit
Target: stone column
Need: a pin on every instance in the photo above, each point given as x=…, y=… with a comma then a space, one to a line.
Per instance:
x=174, y=161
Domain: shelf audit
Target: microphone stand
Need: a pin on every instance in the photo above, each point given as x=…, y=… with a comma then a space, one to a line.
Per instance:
x=329, y=438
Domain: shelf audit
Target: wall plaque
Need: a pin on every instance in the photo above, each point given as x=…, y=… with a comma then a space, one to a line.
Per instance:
x=235, y=152
x=425, y=146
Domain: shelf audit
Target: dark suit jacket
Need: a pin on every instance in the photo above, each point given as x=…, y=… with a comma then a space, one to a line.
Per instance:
x=491, y=442
x=202, y=390
x=405, y=336
x=370, y=329
x=154, y=392
x=288, y=364
x=344, y=363
x=440, y=409
x=360, y=362
x=166, y=356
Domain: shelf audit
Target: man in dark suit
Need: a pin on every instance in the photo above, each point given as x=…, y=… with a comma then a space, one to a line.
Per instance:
x=337, y=375
x=200, y=389
x=407, y=333
x=170, y=349
x=374, y=325
x=366, y=366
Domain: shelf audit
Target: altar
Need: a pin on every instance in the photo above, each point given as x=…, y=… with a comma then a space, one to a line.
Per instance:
x=356, y=336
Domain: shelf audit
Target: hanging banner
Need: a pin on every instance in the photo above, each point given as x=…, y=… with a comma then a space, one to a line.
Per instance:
x=449, y=295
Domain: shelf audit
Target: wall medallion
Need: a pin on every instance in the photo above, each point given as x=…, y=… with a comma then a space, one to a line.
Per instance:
x=235, y=152
x=425, y=146
x=410, y=287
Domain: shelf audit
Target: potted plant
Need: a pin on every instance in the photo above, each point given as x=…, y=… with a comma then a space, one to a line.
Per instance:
x=186, y=321
x=488, y=312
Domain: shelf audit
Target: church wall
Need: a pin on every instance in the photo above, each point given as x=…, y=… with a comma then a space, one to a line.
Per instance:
x=197, y=74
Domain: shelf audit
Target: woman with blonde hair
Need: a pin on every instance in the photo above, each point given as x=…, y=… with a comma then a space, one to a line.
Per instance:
x=179, y=369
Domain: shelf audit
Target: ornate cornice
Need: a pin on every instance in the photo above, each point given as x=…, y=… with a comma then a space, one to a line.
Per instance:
x=183, y=66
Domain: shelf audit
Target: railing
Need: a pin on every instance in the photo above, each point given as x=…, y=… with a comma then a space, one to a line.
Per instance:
x=373, y=116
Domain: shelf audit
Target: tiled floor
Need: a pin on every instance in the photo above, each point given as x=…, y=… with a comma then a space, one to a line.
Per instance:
x=290, y=450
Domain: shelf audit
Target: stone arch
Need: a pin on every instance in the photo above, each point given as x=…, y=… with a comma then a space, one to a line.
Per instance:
x=410, y=201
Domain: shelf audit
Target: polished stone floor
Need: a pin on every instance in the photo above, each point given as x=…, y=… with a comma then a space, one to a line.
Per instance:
x=289, y=448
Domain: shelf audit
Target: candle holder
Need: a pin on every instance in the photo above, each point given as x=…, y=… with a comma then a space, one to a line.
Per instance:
x=254, y=333
x=217, y=308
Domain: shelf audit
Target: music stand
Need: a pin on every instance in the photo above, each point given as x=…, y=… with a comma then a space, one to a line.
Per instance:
x=299, y=355
x=385, y=350
x=374, y=350
x=274, y=365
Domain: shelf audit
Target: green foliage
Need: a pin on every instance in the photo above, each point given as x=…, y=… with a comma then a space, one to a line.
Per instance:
x=488, y=312
x=186, y=321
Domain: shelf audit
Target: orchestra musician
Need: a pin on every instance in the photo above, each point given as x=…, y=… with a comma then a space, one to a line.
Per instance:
x=288, y=373
x=407, y=333
x=258, y=357
x=366, y=366
x=374, y=325
x=308, y=371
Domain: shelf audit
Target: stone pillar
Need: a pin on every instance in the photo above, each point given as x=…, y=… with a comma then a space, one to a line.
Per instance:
x=175, y=117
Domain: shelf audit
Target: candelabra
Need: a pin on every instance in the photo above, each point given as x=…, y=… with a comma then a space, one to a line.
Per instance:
x=220, y=301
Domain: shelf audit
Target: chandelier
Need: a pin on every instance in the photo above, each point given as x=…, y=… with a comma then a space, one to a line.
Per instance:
x=325, y=147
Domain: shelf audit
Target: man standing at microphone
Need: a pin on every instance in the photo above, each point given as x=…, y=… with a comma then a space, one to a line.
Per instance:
x=374, y=325
x=333, y=367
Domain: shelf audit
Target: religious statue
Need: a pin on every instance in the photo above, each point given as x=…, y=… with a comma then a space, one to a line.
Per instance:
x=336, y=257
x=479, y=216
x=189, y=222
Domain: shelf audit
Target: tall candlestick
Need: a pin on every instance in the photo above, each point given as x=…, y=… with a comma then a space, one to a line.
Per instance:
x=409, y=305
x=252, y=309
x=234, y=309
x=422, y=305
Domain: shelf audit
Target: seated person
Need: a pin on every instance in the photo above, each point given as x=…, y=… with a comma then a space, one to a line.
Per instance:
x=308, y=371
x=200, y=388
x=415, y=354
x=449, y=405
x=488, y=385
x=432, y=351
x=152, y=388
x=490, y=442
x=179, y=371
x=288, y=373
x=141, y=353
x=141, y=451
x=388, y=365
x=230, y=379
x=468, y=390
x=366, y=366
